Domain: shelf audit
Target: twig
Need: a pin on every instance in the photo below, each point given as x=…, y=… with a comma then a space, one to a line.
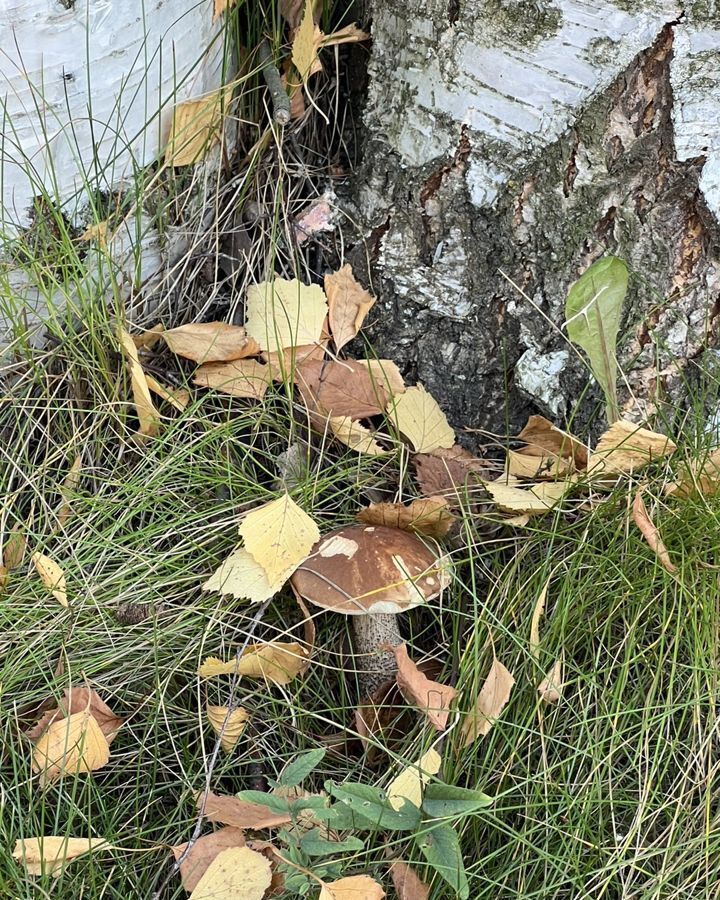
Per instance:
x=232, y=704
x=278, y=94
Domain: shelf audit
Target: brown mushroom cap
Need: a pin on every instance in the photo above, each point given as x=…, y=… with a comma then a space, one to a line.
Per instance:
x=361, y=569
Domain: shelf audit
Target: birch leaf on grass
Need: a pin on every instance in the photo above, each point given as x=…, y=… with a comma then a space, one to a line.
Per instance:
x=279, y=536
x=148, y=416
x=304, y=46
x=205, y=342
x=52, y=577
x=410, y=783
x=201, y=854
x=68, y=746
x=244, y=578
x=239, y=378
x=235, y=872
x=282, y=314
x=626, y=447
x=50, y=854
x=491, y=700
x=355, y=436
x=431, y=697
x=274, y=661
x=418, y=417
x=195, y=127
x=227, y=724
x=550, y=688
x=355, y=887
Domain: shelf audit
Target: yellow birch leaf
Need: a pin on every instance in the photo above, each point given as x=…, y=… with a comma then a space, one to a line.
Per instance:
x=148, y=416
x=550, y=688
x=354, y=887
x=304, y=47
x=49, y=855
x=385, y=373
x=205, y=342
x=195, y=127
x=699, y=479
x=244, y=578
x=68, y=488
x=96, y=232
x=234, y=723
x=240, y=378
x=355, y=436
x=237, y=872
x=283, y=313
x=348, y=302
x=536, y=500
x=221, y=6
x=68, y=746
x=530, y=465
x=279, y=536
x=626, y=447
x=273, y=661
x=410, y=783
x=178, y=399
x=52, y=577
x=491, y=700
x=418, y=417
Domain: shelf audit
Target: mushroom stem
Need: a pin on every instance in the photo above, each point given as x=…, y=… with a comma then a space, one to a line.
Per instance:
x=373, y=634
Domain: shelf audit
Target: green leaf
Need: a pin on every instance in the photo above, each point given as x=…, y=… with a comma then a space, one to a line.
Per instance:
x=313, y=843
x=445, y=801
x=276, y=804
x=592, y=317
x=441, y=848
x=371, y=805
x=299, y=769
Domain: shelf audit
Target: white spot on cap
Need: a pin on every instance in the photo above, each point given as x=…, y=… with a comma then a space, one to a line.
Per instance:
x=338, y=545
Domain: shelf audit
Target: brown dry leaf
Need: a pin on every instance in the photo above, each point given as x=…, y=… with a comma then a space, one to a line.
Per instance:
x=407, y=883
x=338, y=388
x=355, y=887
x=206, y=342
x=649, y=531
x=244, y=578
x=13, y=552
x=700, y=479
x=178, y=398
x=203, y=852
x=4, y=575
x=239, y=378
x=279, y=535
x=148, y=416
x=282, y=314
x=523, y=464
x=349, y=304
x=274, y=661
x=491, y=700
x=98, y=231
x=271, y=854
x=355, y=436
x=292, y=11
x=77, y=700
x=150, y=337
x=228, y=723
x=410, y=783
x=52, y=577
x=418, y=417
x=542, y=437
x=50, y=854
x=536, y=500
x=535, y=621
x=220, y=7
x=448, y=471
x=626, y=447
x=195, y=127
x=67, y=490
x=431, y=697
x=428, y=515
x=550, y=688
x=350, y=34
x=235, y=872
x=70, y=746
x=230, y=811
x=283, y=365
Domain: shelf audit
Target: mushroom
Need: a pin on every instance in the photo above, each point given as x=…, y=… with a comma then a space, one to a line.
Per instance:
x=372, y=573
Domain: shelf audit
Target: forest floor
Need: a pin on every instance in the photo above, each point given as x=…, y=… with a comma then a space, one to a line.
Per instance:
x=582, y=652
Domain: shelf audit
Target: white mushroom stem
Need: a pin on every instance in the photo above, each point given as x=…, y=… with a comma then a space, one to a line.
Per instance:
x=376, y=664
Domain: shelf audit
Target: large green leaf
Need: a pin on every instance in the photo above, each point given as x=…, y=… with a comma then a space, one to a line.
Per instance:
x=299, y=769
x=592, y=318
x=370, y=804
x=441, y=848
x=445, y=801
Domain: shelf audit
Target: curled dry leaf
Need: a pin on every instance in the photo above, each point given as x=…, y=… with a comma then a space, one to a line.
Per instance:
x=97, y=231
x=626, y=447
x=418, y=418
x=13, y=551
x=649, y=531
x=550, y=688
x=149, y=337
x=242, y=577
x=279, y=535
x=235, y=872
x=348, y=302
x=491, y=700
x=355, y=436
x=535, y=621
x=77, y=700
x=339, y=388
x=409, y=785
x=431, y=697
x=203, y=852
x=178, y=398
x=407, y=883
x=227, y=724
x=69, y=746
x=275, y=661
x=542, y=437
x=195, y=127
x=355, y=887
x=205, y=342
x=284, y=314
x=535, y=501
x=239, y=378
x=428, y=515
x=448, y=471
x=52, y=577
x=148, y=416
x=67, y=491
x=50, y=854
x=239, y=813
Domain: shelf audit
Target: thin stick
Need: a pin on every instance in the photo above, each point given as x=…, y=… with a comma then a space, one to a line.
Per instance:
x=278, y=94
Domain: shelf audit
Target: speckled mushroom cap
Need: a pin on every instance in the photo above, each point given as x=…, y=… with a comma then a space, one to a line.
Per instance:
x=363, y=569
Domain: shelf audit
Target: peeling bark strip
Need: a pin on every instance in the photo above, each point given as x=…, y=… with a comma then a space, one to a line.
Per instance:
x=529, y=138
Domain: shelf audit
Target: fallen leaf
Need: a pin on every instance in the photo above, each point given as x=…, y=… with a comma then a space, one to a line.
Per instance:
x=149, y=337
x=13, y=551
x=626, y=447
x=228, y=724
x=292, y=11
x=244, y=578
x=282, y=314
x=542, y=437
x=522, y=464
x=355, y=436
x=205, y=342
x=279, y=536
x=79, y=700
x=339, y=388
x=418, y=417
x=203, y=852
x=69, y=746
x=355, y=887
x=52, y=577
x=178, y=399
x=348, y=302
x=195, y=127
x=448, y=471
x=67, y=491
x=284, y=364
x=536, y=500
x=98, y=231
x=410, y=783
x=239, y=813
x=431, y=697
x=649, y=531
x=49, y=855
x=148, y=416
x=271, y=854
x=274, y=661
x=239, y=378
x=235, y=872
x=535, y=621
x=699, y=479
x=4, y=575
x=428, y=515
x=407, y=883
x=350, y=34
x=385, y=373
x=491, y=700
x=220, y=7
x=304, y=45
x=550, y=688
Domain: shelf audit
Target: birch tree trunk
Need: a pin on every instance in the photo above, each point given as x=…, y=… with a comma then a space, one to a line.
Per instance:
x=510, y=144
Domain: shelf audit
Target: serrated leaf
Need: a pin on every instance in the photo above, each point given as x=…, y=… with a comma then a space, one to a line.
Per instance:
x=52, y=576
x=371, y=805
x=279, y=536
x=227, y=723
x=79, y=700
x=284, y=314
x=274, y=661
x=304, y=47
x=69, y=746
x=298, y=769
x=314, y=843
x=348, y=303
x=626, y=447
x=701, y=478
x=409, y=785
x=491, y=700
x=195, y=127
x=50, y=854
x=592, y=317
x=441, y=848
x=445, y=801
x=535, y=501
x=235, y=872
x=242, y=577
x=417, y=416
